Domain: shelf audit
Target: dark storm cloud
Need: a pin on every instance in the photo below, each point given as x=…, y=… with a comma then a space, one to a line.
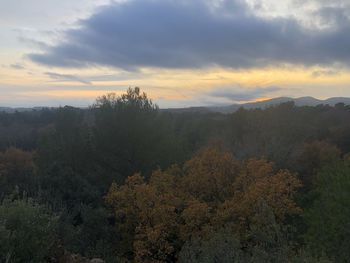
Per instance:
x=242, y=94
x=194, y=34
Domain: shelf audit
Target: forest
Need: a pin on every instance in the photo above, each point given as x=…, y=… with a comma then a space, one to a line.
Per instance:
x=124, y=181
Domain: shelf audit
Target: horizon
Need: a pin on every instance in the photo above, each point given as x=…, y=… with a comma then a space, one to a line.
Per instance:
x=231, y=52
x=186, y=107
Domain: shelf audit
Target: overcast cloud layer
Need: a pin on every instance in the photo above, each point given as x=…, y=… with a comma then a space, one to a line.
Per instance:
x=196, y=34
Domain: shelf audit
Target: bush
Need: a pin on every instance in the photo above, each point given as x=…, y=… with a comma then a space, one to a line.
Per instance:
x=27, y=232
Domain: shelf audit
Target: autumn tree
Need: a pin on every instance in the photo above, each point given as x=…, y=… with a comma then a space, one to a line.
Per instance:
x=16, y=172
x=259, y=182
x=159, y=215
x=210, y=175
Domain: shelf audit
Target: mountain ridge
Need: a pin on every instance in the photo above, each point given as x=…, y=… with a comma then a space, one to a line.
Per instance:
x=300, y=101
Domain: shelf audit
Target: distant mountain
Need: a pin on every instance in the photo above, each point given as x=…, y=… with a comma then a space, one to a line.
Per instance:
x=333, y=101
x=302, y=101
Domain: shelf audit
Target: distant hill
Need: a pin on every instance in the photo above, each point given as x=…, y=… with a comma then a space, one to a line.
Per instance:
x=302, y=101
x=13, y=110
x=21, y=109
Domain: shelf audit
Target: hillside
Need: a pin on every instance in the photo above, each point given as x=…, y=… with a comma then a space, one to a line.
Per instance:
x=302, y=101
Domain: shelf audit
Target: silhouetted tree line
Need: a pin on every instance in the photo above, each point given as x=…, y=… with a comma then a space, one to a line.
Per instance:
x=127, y=182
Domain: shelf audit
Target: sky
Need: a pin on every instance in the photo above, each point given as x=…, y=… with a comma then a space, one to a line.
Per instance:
x=180, y=52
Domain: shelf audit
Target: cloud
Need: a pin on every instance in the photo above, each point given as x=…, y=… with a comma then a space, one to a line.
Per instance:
x=194, y=34
x=326, y=72
x=238, y=93
x=32, y=42
x=67, y=77
x=17, y=66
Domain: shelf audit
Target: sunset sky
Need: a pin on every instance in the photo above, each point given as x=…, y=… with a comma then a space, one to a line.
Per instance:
x=180, y=52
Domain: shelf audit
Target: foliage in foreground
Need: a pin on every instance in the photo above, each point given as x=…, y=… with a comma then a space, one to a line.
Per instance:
x=211, y=191
x=328, y=217
x=27, y=232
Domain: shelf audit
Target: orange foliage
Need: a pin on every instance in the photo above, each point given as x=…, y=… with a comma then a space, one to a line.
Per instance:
x=211, y=190
x=14, y=161
x=209, y=175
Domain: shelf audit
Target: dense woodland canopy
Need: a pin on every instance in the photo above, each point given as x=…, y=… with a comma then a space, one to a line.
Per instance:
x=126, y=182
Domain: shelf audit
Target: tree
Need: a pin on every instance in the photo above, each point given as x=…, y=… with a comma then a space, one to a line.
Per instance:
x=27, y=232
x=312, y=157
x=132, y=99
x=146, y=218
x=16, y=172
x=266, y=241
x=328, y=217
x=156, y=217
x=210, y=174
x=130, y=134
x=220, y=246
